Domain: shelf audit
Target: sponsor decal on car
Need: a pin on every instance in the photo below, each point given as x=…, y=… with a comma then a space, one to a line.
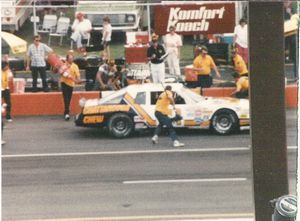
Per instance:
x=139, y=110
x=106, y=109
x=93, y=119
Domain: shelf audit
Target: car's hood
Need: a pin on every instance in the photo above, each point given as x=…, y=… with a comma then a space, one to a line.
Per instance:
x=91, y=102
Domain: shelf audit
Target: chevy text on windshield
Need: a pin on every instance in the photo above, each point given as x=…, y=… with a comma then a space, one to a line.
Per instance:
x=193, y=20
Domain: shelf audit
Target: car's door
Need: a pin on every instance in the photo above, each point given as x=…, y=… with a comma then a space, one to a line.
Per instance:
x=184, y=107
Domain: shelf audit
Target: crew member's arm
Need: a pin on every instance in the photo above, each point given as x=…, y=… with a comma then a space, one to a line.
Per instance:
x=47, y=48
x=179, y=45
x=89, y=26
x=77, y=75
x=163, y=51
x=217, y=72
x=99, y=79
x=150, y=54
x=171, y=99
x=75, y=23
x=214, y=66
x=237, y=89
x=28, y=59
x=235, y=36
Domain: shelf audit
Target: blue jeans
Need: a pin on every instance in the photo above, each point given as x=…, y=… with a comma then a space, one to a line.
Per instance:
x=165, y=120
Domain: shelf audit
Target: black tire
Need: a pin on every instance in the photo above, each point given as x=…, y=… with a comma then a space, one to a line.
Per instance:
x=224, y=122
x=120, y=125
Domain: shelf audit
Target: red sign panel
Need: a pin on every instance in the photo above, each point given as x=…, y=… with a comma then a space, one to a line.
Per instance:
x=190, y=19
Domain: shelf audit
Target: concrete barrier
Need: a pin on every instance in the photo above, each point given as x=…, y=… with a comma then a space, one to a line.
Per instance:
x=30, y=104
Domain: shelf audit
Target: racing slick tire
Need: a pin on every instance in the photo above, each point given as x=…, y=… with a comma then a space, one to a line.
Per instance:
x=120, y=125
x=224, y=122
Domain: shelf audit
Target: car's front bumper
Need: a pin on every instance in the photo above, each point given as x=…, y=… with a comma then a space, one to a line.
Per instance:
x=79, y=120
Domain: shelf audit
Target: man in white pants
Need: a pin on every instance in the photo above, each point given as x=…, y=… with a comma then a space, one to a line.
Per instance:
x=155, y=54
x=173, y=42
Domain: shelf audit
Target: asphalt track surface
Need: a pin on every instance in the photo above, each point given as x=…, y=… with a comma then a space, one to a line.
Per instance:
x=54, y=170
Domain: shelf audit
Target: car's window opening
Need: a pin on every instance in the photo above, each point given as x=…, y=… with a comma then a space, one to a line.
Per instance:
x=178, y=99
x=154, y=96
x=140, y=98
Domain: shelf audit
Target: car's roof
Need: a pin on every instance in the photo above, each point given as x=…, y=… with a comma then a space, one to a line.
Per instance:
x=153, y=86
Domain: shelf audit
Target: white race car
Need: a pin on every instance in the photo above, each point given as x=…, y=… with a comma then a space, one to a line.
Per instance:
x=132, y=108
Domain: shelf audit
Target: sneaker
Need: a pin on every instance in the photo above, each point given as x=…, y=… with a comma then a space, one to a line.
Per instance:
x=67, y=117
x=155, y=139
x=3, y=142
x=176, y=143
x=9, y=120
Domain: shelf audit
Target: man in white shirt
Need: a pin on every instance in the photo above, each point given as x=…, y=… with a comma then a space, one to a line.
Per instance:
x=173, y=42
x=241, y=39
x=106, y=35
x=81, y=31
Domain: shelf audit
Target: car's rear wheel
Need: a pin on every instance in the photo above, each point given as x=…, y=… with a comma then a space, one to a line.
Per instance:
x=224, y=122
x=120, y=125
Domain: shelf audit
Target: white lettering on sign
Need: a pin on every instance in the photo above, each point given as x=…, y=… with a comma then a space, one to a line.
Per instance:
x=180, y=18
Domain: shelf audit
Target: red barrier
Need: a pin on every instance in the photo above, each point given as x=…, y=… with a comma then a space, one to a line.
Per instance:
x=291, y=96
x=52, y=103
x=46, y=103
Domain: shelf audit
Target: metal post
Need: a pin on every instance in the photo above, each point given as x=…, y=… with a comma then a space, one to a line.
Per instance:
x=267, y=101
x=149, y=21
x=34, y=20
x=296, y=74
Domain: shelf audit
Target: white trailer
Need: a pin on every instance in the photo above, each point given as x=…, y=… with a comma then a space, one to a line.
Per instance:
x=14, y=13
x=124, y=15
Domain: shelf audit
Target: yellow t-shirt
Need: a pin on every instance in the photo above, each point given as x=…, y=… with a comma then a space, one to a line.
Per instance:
x=240, y=65
x=242, y=84
x=4, y=79
x=74, y=72
x=207, y=63
x=163, y=103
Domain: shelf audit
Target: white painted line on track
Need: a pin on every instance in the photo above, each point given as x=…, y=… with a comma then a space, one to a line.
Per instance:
x=132, y=152
x=203, y=180
x=194, y=217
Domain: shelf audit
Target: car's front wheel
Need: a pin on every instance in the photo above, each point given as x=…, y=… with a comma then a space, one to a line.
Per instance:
x=120, y=125
x=224, y=122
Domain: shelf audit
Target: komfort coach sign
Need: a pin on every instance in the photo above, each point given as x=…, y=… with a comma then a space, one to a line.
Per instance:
x=215, y=18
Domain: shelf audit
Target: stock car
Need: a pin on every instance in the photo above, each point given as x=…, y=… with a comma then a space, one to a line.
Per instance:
x=132, y=108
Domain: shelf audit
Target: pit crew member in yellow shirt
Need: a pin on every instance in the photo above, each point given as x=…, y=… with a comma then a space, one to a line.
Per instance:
x=203, y=64
x=161, y=113
x=68, y=80
x=242, y=86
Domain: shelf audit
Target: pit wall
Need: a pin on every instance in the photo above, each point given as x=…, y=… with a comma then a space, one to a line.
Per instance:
x=40, y=103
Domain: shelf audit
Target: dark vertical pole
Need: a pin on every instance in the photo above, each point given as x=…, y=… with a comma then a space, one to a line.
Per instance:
x=267, y=102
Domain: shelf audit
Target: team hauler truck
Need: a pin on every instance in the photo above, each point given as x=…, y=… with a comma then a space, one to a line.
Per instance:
x=124, y=15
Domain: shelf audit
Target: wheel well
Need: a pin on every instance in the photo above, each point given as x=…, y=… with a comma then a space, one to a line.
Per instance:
x=111, y=114
x=221, y=110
